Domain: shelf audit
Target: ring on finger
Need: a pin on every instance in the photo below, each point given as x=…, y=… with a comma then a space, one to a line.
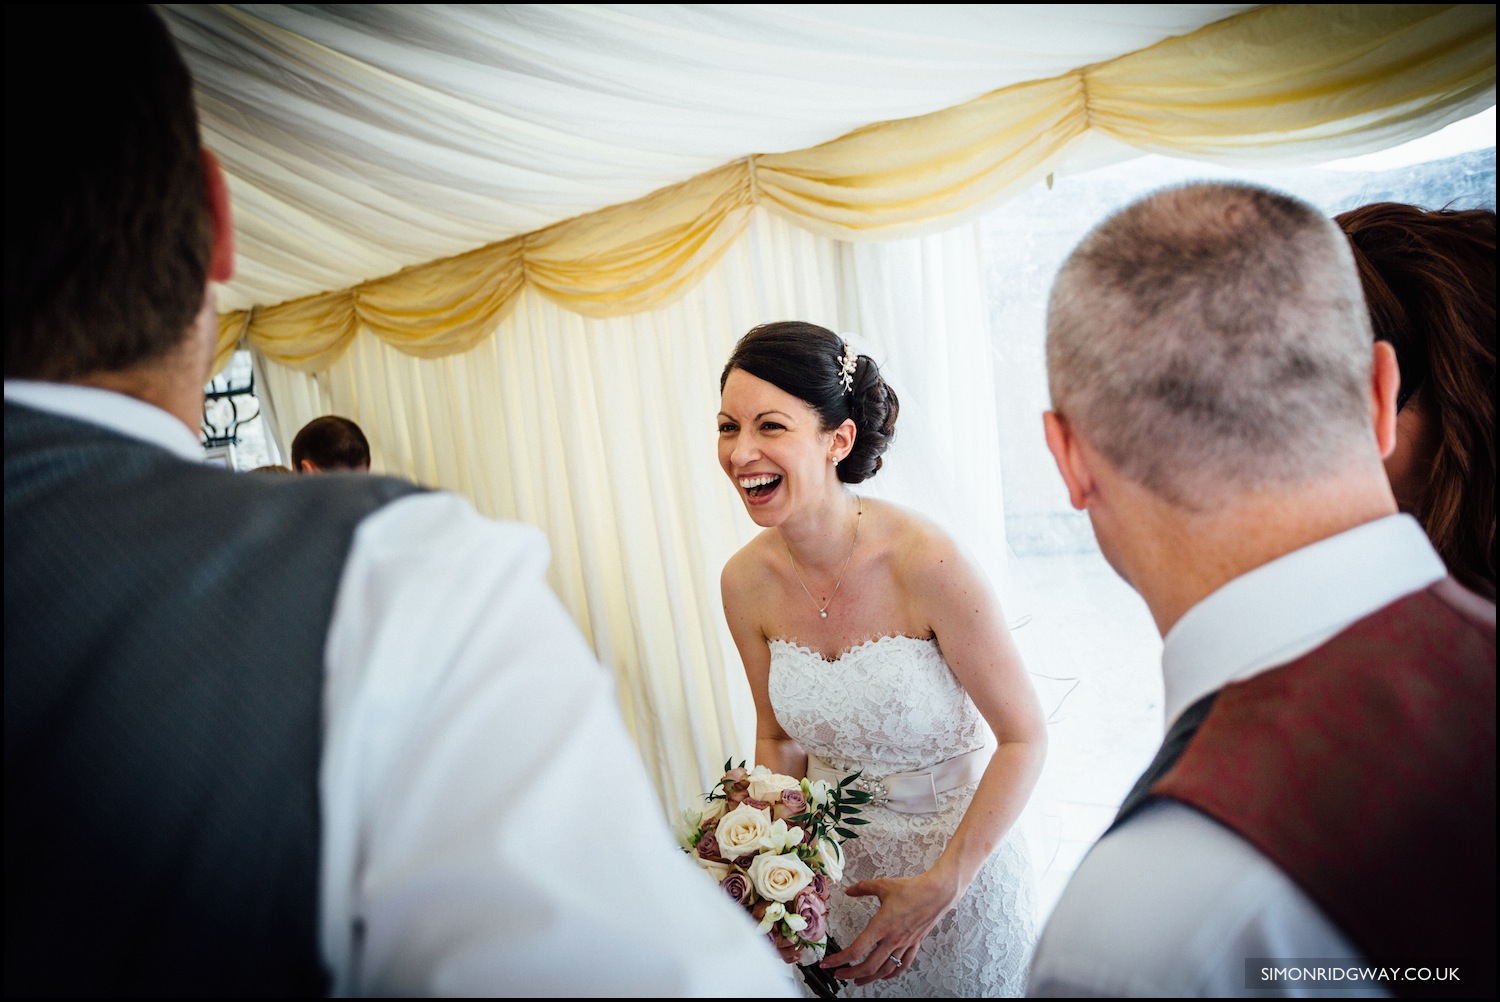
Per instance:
x=895, y=960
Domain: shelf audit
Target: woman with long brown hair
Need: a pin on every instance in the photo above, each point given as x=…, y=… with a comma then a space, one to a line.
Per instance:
x=1429, y=281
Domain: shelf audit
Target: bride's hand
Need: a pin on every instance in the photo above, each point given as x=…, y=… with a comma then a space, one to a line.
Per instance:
x=909, y=908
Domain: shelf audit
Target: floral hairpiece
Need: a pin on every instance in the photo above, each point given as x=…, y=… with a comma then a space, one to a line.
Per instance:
x=847, y=365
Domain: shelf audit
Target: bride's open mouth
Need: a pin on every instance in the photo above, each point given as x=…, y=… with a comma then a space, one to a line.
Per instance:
x=760, y=486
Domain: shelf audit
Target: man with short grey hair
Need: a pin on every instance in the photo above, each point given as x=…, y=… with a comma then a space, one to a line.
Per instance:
x=1325, y=791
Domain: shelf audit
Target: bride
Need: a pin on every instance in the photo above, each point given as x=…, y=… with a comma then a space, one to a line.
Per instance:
x=872, y=644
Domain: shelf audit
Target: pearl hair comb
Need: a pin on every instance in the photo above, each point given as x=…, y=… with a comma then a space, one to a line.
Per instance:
x=847, y=365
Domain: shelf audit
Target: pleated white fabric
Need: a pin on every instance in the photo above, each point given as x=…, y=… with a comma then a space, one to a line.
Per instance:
x=363, y=138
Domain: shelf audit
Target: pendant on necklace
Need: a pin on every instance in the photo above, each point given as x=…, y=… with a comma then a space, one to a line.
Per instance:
x=823, y=613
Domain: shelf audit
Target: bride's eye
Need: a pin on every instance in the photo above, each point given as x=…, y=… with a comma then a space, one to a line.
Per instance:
x=725, y=428
x=771, y=426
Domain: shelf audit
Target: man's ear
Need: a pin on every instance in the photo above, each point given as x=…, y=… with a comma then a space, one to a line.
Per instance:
x=1385, y=381
x=221, y=259
x=1063, y=443
x=308, y=466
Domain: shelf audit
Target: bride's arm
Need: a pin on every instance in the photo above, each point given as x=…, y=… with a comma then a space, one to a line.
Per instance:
x=774, y=748
x=953, y=596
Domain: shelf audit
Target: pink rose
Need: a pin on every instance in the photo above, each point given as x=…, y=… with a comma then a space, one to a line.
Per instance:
x=789, y=803
x=815, y=910
x=820, y=885
x=708, y=848
x=737, y=886
x=736, y=775
x=759, y=805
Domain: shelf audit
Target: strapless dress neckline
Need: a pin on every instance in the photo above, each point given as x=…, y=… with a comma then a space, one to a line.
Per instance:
x=854, y=651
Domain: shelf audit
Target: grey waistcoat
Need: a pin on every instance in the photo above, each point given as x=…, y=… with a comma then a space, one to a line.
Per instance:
x=164, y=633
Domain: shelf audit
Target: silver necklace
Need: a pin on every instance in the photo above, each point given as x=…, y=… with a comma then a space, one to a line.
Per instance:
x=859, y=511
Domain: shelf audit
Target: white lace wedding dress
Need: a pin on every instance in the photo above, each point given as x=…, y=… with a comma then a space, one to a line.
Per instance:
x=892, y=705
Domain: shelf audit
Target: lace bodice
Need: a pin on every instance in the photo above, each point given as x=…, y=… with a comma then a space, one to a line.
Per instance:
x=893, y=705
x=890, y=705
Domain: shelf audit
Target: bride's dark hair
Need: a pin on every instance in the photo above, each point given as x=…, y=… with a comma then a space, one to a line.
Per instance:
x=806, y=361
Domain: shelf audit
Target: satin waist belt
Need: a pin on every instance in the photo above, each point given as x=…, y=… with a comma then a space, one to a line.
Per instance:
x=911, y=792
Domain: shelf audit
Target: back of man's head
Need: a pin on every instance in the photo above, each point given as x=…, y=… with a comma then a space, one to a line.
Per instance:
x=1212, y=339
x=330, y=443
x=107, y=232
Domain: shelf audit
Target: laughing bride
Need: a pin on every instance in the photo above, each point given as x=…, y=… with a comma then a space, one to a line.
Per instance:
x=871, y=643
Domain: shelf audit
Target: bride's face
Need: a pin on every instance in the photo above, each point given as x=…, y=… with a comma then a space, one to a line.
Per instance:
x=772, y=447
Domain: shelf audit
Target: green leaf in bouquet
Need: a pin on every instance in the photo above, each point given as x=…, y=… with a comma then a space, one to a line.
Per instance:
x=857, y=821
x=847, y=779
x=847, y=833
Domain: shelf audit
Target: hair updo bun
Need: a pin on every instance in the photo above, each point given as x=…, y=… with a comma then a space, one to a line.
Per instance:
x=806, y=361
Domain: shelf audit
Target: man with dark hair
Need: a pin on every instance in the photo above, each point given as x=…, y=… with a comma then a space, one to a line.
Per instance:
x=275, y=736
x=1325, y=794
x=330, y=443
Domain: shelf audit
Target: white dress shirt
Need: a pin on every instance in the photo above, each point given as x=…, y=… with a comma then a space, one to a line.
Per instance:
x=1173, y=903
x=487, y=826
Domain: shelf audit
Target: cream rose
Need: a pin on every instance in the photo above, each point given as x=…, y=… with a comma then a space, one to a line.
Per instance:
x=719, y=870
x=832, y=859
x=767, y=786
x=742, y=831
x=779, y=878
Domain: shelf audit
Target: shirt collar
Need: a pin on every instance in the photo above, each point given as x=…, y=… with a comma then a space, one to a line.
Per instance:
x=108, y=409
x=1286, y=608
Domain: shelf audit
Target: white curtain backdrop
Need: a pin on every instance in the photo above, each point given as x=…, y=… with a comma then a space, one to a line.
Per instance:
x=602, y=434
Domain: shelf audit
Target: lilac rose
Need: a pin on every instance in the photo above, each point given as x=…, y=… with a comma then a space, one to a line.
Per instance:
x=737, y=886
x=708, y=848
x=789, y=804
x=815, y=910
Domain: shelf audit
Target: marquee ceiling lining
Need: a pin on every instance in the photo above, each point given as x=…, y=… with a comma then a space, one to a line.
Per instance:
x=362, y=139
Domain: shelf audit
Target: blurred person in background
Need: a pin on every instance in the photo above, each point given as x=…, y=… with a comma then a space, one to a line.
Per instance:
x=1429, y=281
x=330, y=444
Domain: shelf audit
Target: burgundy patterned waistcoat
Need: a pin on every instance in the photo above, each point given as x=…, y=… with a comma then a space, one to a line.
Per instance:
x=1365, y=770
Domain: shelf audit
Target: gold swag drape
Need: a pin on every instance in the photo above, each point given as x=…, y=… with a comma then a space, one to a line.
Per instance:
x=1283, y=81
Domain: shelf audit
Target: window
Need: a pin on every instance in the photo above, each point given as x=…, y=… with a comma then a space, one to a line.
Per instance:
x=233, y=433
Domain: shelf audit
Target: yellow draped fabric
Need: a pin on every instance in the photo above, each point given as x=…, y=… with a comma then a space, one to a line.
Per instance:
x=1283, y=80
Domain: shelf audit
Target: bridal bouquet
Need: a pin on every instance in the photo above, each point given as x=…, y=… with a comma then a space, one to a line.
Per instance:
x=773, y=844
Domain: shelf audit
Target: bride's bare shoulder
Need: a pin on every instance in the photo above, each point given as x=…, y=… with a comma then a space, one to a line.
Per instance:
x=919, y=548
x=749, y=564
x=906, y=530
